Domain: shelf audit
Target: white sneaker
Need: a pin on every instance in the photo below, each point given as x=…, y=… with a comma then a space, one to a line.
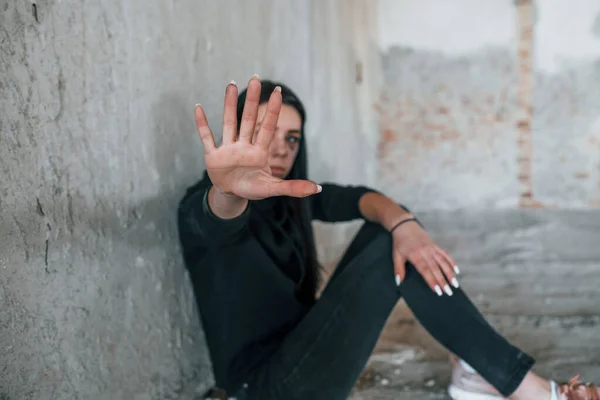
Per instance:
x=467, y=384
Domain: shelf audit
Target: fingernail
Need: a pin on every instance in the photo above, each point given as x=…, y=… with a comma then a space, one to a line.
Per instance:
x=232, y=82
x=197, y=105
x=256, y=76
x=397, y=280
x=278, y=89
x=456, y=270
x=455, y=282
x=438, y=290
x=448, y=290
x=319, y=188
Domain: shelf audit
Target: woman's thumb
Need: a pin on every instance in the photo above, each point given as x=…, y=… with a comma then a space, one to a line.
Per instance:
x=295, y=188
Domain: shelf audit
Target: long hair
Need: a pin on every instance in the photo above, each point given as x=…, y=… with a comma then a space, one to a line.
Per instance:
x=301, y=212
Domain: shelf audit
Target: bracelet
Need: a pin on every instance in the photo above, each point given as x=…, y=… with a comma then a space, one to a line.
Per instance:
x=401, y=222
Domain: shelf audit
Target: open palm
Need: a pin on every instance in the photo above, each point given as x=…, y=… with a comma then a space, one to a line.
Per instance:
x=240, y=165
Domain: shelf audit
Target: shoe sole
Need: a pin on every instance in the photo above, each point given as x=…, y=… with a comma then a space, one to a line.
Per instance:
x=460, y=394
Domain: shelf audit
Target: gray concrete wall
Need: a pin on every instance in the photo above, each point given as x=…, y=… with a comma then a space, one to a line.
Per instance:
x=97, y=144
x=490, y=104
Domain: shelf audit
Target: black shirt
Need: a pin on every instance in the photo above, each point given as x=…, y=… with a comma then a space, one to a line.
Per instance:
x=245, y=272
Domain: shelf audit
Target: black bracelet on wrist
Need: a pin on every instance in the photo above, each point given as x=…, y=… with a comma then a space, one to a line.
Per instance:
x=401, y=222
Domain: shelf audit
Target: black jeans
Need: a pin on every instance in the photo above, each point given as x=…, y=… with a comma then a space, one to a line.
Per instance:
x=323, y=357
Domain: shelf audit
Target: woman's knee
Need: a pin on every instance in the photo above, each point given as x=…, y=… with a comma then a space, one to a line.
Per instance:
x=370, y=232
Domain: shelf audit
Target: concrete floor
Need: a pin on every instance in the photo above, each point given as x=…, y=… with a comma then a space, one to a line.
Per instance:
x=535, y=275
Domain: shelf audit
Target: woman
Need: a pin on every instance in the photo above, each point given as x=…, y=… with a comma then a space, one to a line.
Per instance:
x=248, y=244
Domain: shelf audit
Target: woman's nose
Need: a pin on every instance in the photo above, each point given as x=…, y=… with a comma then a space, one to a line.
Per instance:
x=278, y=147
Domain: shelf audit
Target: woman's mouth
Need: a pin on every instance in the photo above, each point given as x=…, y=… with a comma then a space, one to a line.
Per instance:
x=277, y=171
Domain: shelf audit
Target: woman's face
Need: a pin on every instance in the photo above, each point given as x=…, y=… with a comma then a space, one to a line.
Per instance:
x=286, y=140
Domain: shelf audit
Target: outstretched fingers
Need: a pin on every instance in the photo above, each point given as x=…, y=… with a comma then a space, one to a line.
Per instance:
x=269, y=122
x=250, y=113
x=230, y=113
x=204, y=131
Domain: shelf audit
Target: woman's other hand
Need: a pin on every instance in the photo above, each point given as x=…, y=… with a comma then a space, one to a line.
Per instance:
x=412, y=243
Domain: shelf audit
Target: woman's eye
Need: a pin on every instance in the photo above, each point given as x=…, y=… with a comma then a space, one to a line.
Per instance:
x=293, y=139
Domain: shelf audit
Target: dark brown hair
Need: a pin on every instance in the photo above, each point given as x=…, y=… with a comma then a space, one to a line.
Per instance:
x=301, y=207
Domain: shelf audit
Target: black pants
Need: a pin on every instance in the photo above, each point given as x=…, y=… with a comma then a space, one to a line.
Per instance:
x=324, y=355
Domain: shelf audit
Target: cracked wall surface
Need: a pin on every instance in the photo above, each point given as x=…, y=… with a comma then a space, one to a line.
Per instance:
x=97, y=145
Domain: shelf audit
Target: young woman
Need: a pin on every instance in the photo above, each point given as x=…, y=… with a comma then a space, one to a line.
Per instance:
x=248, y=244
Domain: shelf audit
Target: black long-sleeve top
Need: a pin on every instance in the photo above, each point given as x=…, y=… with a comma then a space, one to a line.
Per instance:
x=245, y=272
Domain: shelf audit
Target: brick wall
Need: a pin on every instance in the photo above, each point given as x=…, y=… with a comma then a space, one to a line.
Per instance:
x=490, y=112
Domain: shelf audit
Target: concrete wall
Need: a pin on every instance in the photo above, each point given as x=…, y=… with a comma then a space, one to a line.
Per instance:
x=97, y=144
x=490, y=104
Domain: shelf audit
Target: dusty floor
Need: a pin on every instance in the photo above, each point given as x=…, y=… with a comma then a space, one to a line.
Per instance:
x=536, y=277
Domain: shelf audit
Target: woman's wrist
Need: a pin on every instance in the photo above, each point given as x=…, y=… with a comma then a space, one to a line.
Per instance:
x=226, y=206
x=406, y=218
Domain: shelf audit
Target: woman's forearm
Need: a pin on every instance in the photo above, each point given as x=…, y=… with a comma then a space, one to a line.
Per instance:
x=380, y=209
